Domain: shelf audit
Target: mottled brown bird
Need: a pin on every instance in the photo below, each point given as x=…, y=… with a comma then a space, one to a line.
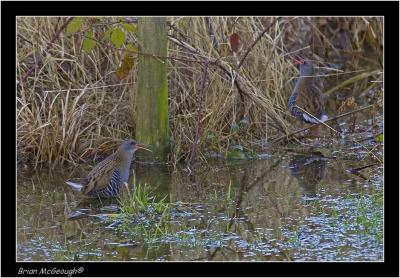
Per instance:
x=107, y=177
x=307, y=96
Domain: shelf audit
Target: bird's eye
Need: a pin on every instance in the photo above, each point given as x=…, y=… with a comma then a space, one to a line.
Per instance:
x=132, y=143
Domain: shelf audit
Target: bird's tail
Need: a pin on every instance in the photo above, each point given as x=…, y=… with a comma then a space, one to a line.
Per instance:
x=75, y=186
x=324, y=118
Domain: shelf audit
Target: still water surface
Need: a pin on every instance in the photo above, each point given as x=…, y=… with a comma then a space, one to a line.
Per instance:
x=284, y=208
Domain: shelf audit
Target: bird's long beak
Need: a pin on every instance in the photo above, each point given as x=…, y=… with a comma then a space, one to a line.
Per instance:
x=297, y=60
x=142, y=146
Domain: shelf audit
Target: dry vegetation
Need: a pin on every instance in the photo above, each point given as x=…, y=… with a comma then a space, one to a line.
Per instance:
x=73, y=106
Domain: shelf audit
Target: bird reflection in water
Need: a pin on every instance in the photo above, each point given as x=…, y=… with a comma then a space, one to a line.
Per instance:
x=309, y=170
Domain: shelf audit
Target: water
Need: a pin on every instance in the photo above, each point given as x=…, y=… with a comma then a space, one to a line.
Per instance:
x=286, y=207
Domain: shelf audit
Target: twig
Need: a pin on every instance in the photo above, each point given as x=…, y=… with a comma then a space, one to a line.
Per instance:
x=353, y=170
x=109, y=46
x=215, y=62
x=356, y=171
x=198, y=116
x=318, y=120
x=255, y=42
x=211, y=33
x=177, y=30
x=38, y=63
x=311, y=126
x=90, y=88
x=324, y=123
x=235, y=81
x=351, y=80
x=228, y=73
x=24, y=39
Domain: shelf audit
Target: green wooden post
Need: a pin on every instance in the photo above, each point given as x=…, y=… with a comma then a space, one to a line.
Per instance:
x=152, y=94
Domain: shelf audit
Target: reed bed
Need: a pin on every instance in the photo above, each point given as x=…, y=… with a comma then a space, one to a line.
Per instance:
x=73, y=108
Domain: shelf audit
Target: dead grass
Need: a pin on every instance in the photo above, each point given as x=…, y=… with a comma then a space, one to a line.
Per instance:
x=73, y=107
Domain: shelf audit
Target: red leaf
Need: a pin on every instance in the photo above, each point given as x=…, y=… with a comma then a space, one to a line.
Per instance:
x=234, y=40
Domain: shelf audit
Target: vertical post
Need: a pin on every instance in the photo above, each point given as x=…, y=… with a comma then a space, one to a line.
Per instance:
x=152, y=94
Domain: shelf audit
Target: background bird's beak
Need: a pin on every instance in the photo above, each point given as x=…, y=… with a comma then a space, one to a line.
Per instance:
x=298, y=60
x=142, y=146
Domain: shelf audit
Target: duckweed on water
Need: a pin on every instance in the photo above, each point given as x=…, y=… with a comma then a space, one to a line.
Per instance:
x=335, y=222
x=226, y=216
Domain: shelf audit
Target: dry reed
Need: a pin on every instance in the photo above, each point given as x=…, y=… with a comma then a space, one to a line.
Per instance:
x=73, y=106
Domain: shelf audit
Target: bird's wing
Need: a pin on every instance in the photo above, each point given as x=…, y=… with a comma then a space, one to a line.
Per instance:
x=100, y=177
x=103, y=164
x=311, y=100
x=320, y=100
x=111, y=189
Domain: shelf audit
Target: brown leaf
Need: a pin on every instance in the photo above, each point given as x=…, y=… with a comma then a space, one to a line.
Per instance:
x=123, y=71
x=234, y=41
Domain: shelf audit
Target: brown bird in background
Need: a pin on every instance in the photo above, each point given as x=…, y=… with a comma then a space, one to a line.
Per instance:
x=107, y=177
x=307, y=96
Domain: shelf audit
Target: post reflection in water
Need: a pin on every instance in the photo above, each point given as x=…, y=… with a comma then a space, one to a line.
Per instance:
x=243, y=210
x=263, y=195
